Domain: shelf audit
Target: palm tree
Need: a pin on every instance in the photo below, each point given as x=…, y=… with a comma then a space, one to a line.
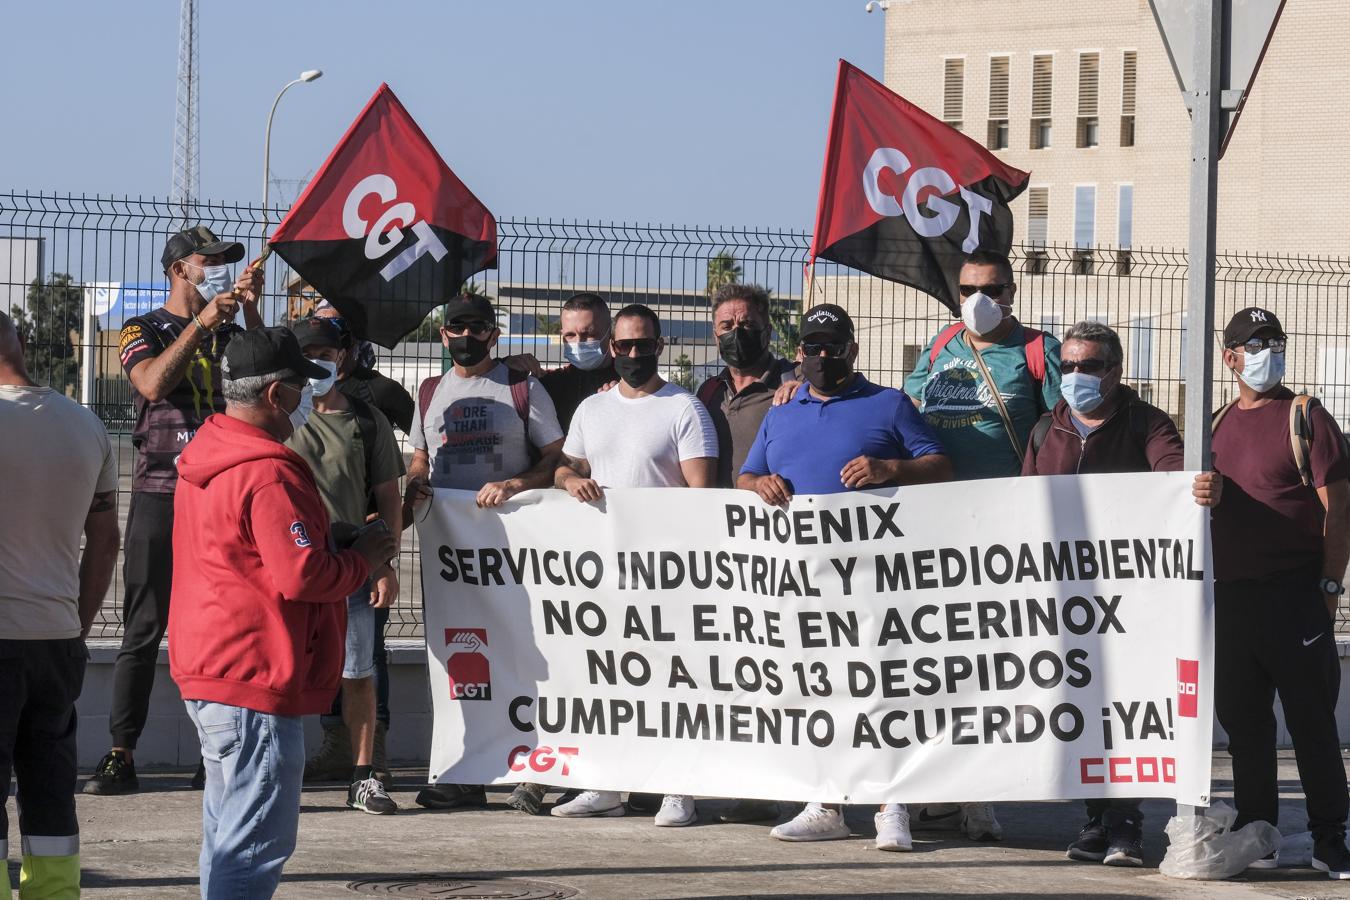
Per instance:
x=722, y=269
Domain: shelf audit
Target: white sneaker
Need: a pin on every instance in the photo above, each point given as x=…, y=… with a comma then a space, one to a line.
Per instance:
x=591, y=803
x=815, y=823
x=676, y=810
x=893, y=828
x=980, y=823
x=936, y=817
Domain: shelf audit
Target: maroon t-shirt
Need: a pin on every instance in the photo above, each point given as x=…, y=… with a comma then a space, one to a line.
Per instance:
x=1268, y=523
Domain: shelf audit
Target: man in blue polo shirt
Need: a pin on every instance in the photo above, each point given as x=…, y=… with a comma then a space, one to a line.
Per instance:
x=839, y=433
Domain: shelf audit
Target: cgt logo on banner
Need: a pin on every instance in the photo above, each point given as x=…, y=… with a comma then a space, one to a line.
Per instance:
x=916, y=645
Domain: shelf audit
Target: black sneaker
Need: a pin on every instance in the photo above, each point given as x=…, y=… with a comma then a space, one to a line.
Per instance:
x=115, y=774
x=370, y=796
x=1091, y=844
x=1330, y=856
x=199, y=777
x=452, y=796
x=528, y=798
x=1124, y=839
x=644, y=803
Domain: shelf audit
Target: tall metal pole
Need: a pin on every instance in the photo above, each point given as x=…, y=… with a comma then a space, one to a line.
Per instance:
x=1205, y=125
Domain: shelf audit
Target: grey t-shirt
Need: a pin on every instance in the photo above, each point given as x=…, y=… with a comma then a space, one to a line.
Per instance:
x=473, y=434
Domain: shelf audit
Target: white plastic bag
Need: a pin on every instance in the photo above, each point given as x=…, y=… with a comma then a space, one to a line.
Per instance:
x=1203, y=847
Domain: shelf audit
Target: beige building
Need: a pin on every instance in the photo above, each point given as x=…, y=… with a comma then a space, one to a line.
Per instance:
x=1081, y=94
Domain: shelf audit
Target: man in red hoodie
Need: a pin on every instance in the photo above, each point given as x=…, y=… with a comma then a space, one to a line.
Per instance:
x=257, y=639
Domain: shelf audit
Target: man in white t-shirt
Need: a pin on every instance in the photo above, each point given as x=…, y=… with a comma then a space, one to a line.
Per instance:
x=643, y=433
x=60, y=482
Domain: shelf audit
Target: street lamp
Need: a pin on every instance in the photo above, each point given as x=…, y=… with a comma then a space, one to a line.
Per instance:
x=307, y=75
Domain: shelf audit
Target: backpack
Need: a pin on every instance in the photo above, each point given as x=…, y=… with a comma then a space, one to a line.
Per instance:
x=1035, y=349
x=1136, y=425
x=518, y=381
x=1300, y=433
x=708, y=390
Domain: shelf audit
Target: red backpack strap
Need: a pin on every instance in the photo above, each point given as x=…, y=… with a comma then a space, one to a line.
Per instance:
x=425, y=390
x=1035, y=349
x=520, y=393
x=708, y=390
x=943, y=339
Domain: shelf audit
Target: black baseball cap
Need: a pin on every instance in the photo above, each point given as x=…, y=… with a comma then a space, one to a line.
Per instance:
x=829, y=320
x=199, y=239
x=1247, y=322
x=266, y=351
x=470, y=308
x=317, y=331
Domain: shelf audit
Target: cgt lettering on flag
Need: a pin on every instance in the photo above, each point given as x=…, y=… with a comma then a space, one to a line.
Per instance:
x=384, y=236
x=938, y=182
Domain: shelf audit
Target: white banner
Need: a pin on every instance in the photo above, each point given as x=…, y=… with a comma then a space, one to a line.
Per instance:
x=1007, y=639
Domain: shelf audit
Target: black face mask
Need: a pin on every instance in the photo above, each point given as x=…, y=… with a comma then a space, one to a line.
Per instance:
x=827, y=374
x=743, y=347
x=467, y=351
x=635, y=370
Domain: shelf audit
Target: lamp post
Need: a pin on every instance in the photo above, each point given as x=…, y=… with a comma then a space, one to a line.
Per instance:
x=306, y=76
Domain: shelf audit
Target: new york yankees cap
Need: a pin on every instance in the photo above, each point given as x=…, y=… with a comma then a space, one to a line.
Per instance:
x=1247, y=322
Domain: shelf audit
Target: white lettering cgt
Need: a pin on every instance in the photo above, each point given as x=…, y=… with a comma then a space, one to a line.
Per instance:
x=386, y=234
x=943, y=212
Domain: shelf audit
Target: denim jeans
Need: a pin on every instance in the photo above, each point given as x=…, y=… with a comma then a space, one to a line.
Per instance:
x=251, y=808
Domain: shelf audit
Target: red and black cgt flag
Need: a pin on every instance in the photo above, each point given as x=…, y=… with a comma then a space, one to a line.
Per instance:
x=904, y=196
x=385, y=231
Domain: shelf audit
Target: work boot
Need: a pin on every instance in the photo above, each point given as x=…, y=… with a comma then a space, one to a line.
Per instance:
x=380, y=759
x=528, y=798
x=333, y=760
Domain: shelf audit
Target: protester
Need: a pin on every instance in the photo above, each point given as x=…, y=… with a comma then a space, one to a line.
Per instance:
x=1281, y=544
x=840, y=433
x=350, y=448
x=60, y=475
x=256, y=634
x=357, y=376
x=981, y=384
x=644, y=433
x=584, y=328
x=494, y=431
x=1102, y=426
x=172, y=357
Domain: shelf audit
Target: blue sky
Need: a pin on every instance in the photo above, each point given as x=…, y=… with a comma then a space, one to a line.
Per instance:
x=682, y=111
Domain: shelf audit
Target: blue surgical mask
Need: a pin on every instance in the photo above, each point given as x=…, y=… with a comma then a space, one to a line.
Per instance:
x=321, y=386
x=1081, y=391
x=585, y=355
x=300, y=415
x=1262, y=371
x=218, y=280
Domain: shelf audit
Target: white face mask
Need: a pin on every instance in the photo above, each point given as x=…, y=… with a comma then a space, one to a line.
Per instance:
x=300, y=415
x=1262, y=371
x=215, y=280
x=981, y=313
x=321, y=386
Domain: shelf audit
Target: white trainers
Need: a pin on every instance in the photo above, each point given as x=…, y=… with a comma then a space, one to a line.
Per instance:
x=676, y=810
x=936, y=817
x=590, y=803
x=893, y=828
x=815, y=823
x=980, y=824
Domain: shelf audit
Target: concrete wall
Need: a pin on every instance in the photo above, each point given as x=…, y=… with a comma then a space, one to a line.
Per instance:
x=170, y=740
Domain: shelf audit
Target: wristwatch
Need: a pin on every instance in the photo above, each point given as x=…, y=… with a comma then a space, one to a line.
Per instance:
x=1331, y=586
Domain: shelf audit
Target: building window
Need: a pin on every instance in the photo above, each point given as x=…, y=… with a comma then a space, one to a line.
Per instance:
x=1127, y=99
x=954, y=92
x=1088, y=69
x=909, y=357
x=998, y=103
x=1084, y=227
x=1042, y=78
x=1140, y=351
x=1038, y=227
x=1124, y=229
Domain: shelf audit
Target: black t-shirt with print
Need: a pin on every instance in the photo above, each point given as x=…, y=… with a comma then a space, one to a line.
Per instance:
x=163, y=427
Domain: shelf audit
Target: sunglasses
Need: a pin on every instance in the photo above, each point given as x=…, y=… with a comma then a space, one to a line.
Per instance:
x=477, y=329
x=830, y=348
x=990, y=290
x=1256, y=345
x=1086, y=366
x=643, y=346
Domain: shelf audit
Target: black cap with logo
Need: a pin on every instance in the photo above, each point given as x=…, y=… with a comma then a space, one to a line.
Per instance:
x=470, y=308
x=828, y=320
x=199, y=239
x=266, y=351
x=1247, y=322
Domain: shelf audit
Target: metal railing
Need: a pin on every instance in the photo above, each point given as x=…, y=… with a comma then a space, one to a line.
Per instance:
x=109, y=248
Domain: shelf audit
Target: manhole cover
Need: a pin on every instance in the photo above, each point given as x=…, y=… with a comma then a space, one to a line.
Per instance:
x=458, y=888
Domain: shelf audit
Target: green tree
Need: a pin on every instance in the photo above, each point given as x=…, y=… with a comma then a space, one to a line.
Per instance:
x=52, y=332
x=785, y=319
x=429, y=332
x=684, y=372
x=547, y=324
x=722, y=269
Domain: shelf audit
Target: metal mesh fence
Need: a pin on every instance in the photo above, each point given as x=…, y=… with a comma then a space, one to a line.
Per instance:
x=77, y=267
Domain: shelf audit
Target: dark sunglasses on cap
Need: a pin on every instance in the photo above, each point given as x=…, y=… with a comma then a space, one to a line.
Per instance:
x=832, y=348
x=477, y=329
x=644, y=346
x=1086, y=366
x=990, y=290
x=1256, y=345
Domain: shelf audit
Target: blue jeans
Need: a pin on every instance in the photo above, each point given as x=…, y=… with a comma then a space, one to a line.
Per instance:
x=251, y=808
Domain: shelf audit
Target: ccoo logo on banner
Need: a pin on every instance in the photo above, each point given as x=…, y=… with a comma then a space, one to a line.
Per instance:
x=916, y=645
